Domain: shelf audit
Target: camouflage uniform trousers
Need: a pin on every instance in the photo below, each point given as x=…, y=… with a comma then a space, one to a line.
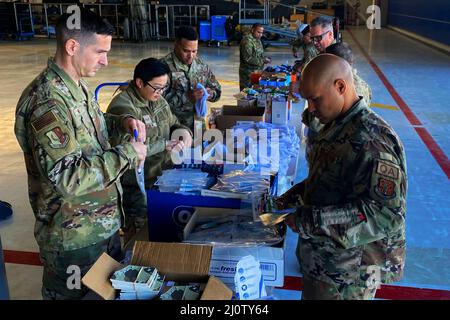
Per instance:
x=56, y=263
x=135, y=207
x=318, y=290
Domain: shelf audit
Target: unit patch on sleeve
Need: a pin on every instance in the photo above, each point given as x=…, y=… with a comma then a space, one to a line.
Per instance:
x=58, y=139
x=385, y=188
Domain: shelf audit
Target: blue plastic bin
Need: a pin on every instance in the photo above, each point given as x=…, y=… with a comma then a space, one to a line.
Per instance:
x=218, y=32
x=205, y=30
x=168, y=212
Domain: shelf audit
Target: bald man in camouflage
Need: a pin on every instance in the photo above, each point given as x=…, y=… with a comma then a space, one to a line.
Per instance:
x=344, y=51
x=351, y=208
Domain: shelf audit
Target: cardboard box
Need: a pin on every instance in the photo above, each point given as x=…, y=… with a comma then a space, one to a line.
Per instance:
x=225, y=258
x=177, y=261
x=244, y=103
x=231, y=114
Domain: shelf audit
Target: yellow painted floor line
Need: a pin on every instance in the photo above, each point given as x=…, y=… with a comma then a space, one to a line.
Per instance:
x=383, y=106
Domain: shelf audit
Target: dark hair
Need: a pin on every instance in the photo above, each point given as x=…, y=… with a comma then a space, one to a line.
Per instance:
x=305, y=30
x=186, y=32
x=150, y=68
x=257, y=25
x=342, y=50
x=90, y=24
x=323, y=21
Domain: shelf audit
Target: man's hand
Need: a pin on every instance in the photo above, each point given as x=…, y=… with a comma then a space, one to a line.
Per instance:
x=131, y=124
x=141, y=150
x=186, y=138
x=290, y=221
x=195, y=95
x=175, y=145
x=210, y=93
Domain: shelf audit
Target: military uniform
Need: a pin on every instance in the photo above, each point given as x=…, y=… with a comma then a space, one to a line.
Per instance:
x=309, y=50
x=160, y=123
x=251, y=59
x=73, y=173
x=184, y=78
x=361, y=87
x=352, y=223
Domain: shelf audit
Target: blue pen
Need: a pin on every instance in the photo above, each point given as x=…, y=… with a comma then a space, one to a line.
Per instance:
x=139, y=173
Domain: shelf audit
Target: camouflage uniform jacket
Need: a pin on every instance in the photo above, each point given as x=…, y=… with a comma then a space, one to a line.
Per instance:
x=354, y=198
x=73, y=173
x=159, y=122
x=362, y=88
x=184, y=78
x=309, y=50
x=251, y=58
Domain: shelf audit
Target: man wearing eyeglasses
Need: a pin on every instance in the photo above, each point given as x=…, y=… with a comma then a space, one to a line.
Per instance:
x=322, y=35
x=251, y=55
x=186, y=71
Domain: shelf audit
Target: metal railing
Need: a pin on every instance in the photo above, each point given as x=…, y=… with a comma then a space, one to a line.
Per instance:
x=162, y=19
x=266, y=8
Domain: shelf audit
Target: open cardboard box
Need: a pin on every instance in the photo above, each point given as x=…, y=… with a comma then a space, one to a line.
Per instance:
x=225, y=258
x=177, y=261
x=232, y=114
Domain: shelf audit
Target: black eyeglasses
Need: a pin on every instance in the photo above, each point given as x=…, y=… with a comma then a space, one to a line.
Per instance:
x=158, y=90
x=319, y=37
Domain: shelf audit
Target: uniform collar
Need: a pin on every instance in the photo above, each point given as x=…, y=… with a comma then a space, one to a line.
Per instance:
x=132, y=89
x=179, y=65
x=329, y=132
x=75, y=90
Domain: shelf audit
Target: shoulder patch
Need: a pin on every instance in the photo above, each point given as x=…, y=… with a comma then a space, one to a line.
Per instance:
x=387, y=170
x=43, y=121
x=385, y=188
x=57, y=138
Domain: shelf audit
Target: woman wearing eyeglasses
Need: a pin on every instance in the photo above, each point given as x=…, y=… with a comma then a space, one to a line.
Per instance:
x=143, y=100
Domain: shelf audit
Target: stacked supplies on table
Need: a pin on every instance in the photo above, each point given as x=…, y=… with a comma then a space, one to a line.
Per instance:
x=182, y=180
x=137, y=283
x=279, y=144
x=231, y=229
x=179, y=291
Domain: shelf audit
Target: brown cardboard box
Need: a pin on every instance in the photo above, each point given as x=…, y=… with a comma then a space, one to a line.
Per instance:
x=246, y=103
x=177, y=261
x=231, y=114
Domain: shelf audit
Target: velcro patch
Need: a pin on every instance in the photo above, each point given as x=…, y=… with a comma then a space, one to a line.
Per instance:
x=385, y=188
x=58, y=139
x=387, y=170
x=47, y=119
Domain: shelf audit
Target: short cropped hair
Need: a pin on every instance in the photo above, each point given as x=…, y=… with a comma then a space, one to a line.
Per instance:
x=257, y=25
x=150, y=68
x=186, y=32
x=342, y=50
x=90, y=24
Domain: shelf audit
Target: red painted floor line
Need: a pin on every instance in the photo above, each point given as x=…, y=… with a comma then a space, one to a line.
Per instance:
x=430, y=143
x=389, y=292
x=22, y=257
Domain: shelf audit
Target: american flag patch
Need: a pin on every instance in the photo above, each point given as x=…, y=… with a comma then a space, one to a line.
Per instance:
x=47, y=119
